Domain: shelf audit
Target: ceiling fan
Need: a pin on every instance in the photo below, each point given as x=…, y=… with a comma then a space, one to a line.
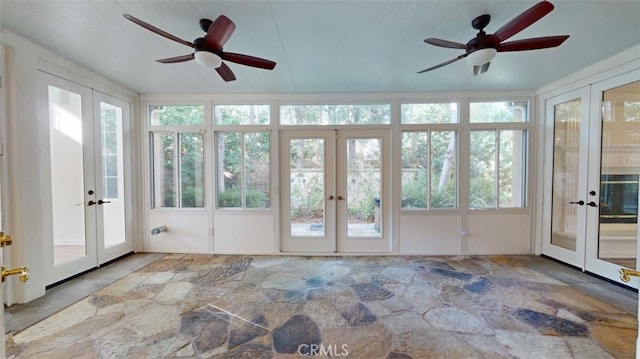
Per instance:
x=480, y=50
x=208, y=49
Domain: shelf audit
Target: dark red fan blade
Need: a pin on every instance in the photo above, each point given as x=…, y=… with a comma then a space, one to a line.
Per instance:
x=225, y=72
x=445, y=43
x=524, y=20
x=156, y=30
x=535, y=43
x=444, y=63
x=249, y=60
x=171, y=60
x=219, y=32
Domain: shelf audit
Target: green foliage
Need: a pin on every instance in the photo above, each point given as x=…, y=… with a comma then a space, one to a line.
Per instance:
x=232, y=198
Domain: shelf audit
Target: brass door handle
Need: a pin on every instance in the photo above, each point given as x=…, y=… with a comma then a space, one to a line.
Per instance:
x=23, y=271
x=5, y=239
x=626, y=274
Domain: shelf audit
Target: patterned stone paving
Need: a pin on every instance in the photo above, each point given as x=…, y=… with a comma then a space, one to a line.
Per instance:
x=203, y=306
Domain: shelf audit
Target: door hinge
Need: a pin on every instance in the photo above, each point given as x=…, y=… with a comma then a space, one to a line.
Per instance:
x=1, y=149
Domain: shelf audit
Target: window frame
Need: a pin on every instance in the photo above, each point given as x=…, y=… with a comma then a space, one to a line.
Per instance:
x=176, y=130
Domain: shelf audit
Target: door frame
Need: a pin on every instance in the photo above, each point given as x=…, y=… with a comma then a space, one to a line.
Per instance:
x=594, y=264
x=92, y=172
x=577, y=257
x=335, y=239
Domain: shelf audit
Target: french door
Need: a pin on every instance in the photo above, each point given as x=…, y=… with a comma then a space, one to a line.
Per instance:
x=88, y=160
x=592, y=205
x=335, y=191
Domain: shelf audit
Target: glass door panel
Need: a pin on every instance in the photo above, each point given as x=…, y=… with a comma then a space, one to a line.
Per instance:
x=67, y=175
x=567, y=156
x=307, y=187
x=364, y=187
x=363, y=177
x=308, y=207
x=112, y=167
x=617, y=202
x=566, y=193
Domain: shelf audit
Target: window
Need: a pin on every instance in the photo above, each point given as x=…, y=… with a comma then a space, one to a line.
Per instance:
x=242, y=114
x=499, y=111
x=429, y=169
x=177, y=156
x=498, y=155
x=429, y=113
x=335, y=114
x=243, y=169
x=243, y=152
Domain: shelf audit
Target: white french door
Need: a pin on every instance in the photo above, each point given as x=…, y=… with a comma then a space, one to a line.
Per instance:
x=335, y=191
x=88, y=162
x=592, y=206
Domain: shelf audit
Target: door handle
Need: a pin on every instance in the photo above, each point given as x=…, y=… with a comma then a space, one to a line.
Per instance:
x=340, y=198
x=592, y=204
x=23, y=271
x=577, y=202
x=91, y=203
x=5, y=239
x=626, y=274
x=330, y=198
x=102, y=202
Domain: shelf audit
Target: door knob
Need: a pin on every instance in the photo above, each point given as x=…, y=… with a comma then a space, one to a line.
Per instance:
x=577, y=202
x=626, y=274
x=592, y=204
x=102, y=202
x=23, y=271
x=5, y=239
x=329, y=198
x=340, y=198
x=91, y=203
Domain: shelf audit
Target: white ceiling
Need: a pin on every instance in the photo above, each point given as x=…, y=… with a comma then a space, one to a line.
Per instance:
x=322, y=46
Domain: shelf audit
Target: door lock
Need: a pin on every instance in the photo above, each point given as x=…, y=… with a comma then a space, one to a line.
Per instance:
x=22, y=271
x=626, y=274
x=5, y=239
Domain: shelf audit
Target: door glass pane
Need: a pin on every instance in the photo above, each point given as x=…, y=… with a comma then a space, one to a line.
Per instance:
x=306, y=187
x=364, y=187
x=67, y=175
x=111, y=131
x=619, y=172
x=566, y=129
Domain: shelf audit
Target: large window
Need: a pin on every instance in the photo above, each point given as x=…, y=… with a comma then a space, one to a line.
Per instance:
x=177, y=156
x=243, y=156
x=335, y=114
x=429, y=155
x=498, y=154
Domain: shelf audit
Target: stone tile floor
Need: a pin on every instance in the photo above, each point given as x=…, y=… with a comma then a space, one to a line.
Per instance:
x=206, y=306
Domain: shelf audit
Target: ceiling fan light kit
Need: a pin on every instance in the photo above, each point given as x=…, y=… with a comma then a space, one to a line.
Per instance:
x=208, y=50
x=483, y=48
x=482, y=56
x=207, y=59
